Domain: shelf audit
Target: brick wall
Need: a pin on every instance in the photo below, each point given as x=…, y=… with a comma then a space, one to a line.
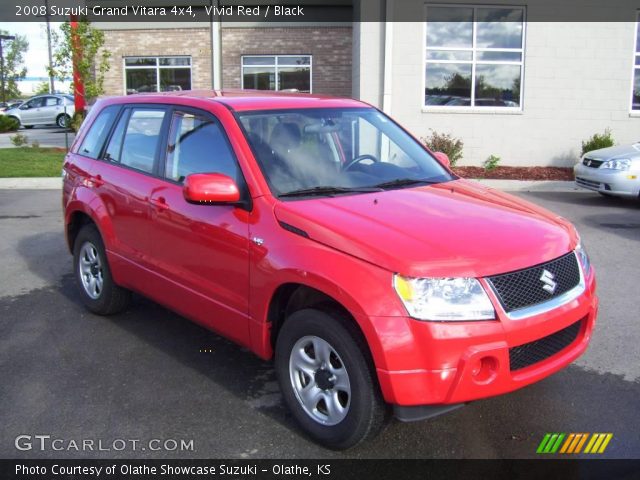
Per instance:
x=329, y=46
x=195, y=42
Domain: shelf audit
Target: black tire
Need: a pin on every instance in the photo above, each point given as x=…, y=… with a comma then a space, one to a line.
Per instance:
x=608, y=195
x=366, y=411
x=63, y=120
x=111, y=298
x=28, y=126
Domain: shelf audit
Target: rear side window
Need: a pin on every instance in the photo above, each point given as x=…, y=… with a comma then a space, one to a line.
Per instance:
x=141, y=138
x=51, y=102
x=97, y=134
x=197, y=144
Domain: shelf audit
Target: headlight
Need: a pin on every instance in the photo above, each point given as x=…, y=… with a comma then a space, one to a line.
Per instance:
x=621, y=164
x=444, y=299
x=584, y=259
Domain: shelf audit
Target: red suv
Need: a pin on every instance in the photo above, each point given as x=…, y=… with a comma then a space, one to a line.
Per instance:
x=318, y=232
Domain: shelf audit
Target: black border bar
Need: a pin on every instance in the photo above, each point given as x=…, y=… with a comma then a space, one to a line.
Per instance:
x=292, y=11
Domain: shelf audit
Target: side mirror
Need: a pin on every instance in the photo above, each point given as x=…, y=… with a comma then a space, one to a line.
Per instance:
x=443, y=158
x=210, y=188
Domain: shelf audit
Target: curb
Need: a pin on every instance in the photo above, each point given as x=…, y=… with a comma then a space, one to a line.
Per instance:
x=531, y=185
x=35, y=183
x=55, y=183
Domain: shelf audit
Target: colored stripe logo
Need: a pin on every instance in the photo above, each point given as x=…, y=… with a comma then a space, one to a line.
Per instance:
x=572, y=443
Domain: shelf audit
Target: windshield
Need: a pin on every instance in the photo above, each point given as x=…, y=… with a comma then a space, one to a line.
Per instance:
x=323, y=152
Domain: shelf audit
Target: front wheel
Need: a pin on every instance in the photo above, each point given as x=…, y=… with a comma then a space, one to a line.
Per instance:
x=327, y=380
x=99, y=292
x=63, y=120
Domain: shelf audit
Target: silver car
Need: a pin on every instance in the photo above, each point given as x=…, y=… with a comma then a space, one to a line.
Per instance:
x=50, y=109
x=612, y=171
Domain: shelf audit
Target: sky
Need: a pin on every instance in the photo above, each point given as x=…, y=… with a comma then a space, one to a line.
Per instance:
x=36, y=59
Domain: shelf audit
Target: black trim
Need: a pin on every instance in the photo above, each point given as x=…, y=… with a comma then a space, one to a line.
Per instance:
x=416, y=413
x=292, y=229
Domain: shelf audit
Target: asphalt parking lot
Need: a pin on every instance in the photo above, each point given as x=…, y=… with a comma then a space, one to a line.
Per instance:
x=145, y=374
x=45, y=135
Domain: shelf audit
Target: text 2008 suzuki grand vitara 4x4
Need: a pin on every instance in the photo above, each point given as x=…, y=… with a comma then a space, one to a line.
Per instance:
x=317, y=231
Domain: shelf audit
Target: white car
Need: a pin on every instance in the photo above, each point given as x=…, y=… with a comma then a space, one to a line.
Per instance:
x=612, y=171
x=48, y=109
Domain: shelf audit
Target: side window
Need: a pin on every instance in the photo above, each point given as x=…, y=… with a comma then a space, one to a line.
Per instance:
x=197, y=144
x=51, y=101
x=141, y=138
x=97, y=134
x=114, y=149
x=36, y=102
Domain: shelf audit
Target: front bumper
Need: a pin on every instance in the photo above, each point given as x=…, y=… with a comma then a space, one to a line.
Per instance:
x=612, y=182
x=427, y=363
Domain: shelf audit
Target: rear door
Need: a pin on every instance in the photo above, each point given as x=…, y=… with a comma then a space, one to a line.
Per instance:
x=125, y=180
x=50, y=109
x=201, y=250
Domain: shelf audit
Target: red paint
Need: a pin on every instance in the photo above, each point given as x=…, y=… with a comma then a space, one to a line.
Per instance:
x=210, y=188
x=78, y=86
x=200, y=260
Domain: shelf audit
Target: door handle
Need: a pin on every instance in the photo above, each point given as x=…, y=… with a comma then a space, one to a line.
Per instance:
x=160, y=203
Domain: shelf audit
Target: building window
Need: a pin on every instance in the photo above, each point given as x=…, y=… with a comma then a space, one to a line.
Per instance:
x=474, y=57
x=157, y=74
x=635, y=94
x=279, y=72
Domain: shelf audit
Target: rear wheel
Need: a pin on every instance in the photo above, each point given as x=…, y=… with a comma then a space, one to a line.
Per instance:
x=28, y=126
x=327, y=380
x=99, y=292
x=63, y=120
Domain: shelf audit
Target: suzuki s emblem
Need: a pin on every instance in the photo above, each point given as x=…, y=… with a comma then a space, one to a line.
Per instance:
x=549, y=284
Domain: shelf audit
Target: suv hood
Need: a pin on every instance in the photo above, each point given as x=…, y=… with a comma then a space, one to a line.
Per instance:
x=458, y=228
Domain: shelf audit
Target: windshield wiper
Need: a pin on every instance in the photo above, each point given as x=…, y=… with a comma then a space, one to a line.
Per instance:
x=327, y=190
x=404, y=182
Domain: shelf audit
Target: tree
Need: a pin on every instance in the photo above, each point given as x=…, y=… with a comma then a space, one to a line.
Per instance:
x=91, y=62
x=43, y=87
x=14, y=69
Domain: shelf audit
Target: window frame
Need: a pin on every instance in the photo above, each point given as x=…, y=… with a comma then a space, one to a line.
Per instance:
x=240, y=181
x=275, y=66
x=105, y=141
x=474, y=61
x=634, y=66
x=157, y=67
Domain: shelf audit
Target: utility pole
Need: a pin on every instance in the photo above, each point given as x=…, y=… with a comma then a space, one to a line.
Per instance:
x=2, y=39
x=51, y=84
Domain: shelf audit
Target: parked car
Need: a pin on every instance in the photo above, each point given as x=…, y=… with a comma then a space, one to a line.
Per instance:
x=316, y=231
x=612, y=171
x=8, y=105
x=47, y=109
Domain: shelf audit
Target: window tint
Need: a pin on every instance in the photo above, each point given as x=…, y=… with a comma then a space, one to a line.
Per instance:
x=36, y=102
x=97, y=134
x=197, y=145
x=114, y=149
x=141, y=138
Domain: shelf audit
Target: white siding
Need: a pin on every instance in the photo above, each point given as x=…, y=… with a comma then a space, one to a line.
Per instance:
x=577, y=82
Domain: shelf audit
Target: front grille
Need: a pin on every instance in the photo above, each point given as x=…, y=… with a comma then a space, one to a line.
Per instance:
x=590, y=162
x=583, y=182
x=531, y=353
x=524, y=288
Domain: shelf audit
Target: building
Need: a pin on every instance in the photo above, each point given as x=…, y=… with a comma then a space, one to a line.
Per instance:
x=511, y=81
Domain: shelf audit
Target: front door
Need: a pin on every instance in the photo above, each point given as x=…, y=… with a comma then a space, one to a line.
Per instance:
x=202, y=251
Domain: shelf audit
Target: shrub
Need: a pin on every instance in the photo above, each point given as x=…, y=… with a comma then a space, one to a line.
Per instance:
x=76, y=121
x=445, y=143
x=35, y=144
x=19, y=139
x=8, y=124
x=597, y=141
x=491, y=162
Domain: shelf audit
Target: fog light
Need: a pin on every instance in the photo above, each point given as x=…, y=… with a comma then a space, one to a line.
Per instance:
x=632, y=177
x=485, y=369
